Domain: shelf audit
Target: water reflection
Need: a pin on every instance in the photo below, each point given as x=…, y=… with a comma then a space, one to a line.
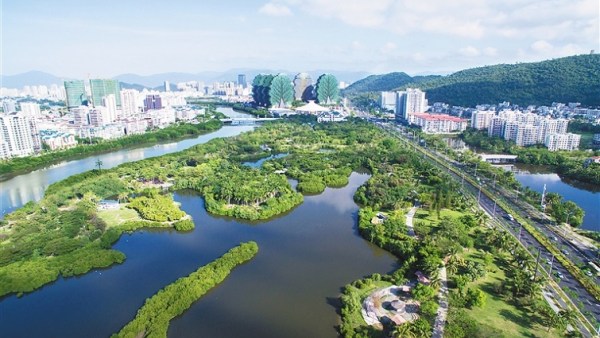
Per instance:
x=285, y=291
x=584, y=195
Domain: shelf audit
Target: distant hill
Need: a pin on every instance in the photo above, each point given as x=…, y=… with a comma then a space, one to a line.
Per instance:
x=157, y=80
x=568, y=79
x=31, y=78
x=385, y=82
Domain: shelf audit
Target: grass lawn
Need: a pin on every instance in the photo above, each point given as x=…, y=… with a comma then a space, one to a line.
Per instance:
x=430, y=218
x=501, y=314
x=116, y=217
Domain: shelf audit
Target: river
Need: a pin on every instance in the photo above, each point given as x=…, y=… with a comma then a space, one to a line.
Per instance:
x=289, y=289
x=17, y=191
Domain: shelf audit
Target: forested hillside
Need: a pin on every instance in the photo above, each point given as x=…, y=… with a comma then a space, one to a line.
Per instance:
x=384, y=82
x=568, y=79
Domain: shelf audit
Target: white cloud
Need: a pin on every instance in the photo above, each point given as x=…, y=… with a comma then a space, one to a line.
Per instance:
x=275, y=9
x=490, y=51
x=541, y=46
x=469, y=51
x=388, y=48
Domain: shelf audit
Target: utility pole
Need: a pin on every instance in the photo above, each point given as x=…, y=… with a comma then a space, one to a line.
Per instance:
x=537, y=263
x=551, y=264
x=543, y=204
x=479, y=195
x=494, y=213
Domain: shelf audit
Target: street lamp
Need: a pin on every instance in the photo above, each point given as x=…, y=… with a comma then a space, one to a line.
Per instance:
x=479, y=195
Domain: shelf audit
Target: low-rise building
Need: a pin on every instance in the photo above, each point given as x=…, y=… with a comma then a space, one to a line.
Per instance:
x=56, y=140
x=438, y=123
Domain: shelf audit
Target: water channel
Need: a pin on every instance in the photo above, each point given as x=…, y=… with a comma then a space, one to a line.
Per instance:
x=288, y=290
x=587, y=196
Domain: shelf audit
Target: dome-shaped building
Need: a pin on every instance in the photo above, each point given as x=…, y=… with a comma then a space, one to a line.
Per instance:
x=303, y=87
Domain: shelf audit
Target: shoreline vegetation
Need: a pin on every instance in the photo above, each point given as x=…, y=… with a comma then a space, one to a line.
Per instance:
x=568, y=164
x=154, y=317
x=20, y=165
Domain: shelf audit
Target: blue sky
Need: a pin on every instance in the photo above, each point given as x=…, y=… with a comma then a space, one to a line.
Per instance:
x=107, y=38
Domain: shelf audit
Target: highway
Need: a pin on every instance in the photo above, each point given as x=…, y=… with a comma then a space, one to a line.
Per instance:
x=550, y=266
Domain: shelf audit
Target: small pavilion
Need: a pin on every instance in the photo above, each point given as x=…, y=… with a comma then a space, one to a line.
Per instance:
x=311, y=108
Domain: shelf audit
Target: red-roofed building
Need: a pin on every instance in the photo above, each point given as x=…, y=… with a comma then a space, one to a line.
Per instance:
x=438, y=123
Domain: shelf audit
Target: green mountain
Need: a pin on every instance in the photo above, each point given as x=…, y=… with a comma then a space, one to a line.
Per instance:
x=568, y=79
x=385, y=82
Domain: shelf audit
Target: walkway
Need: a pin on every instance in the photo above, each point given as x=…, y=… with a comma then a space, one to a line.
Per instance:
x=409, y=221
x=442, y=313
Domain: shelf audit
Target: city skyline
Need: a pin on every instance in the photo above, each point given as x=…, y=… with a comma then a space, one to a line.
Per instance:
x=111, y=38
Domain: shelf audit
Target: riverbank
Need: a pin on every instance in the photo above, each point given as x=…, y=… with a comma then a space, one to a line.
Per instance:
x=21, y=165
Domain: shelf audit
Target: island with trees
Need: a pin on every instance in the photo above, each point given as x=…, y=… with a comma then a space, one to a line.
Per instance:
x=153, y=318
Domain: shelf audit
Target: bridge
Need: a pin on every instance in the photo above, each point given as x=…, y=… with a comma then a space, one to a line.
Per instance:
x=498, y=158
x=247, y=120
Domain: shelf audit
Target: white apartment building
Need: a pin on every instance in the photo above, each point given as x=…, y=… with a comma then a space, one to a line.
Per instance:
x=438, y=123
x=110, y=103
x=567, y=141
x=409, y=102
x=388, y=101
x=129, y=102
x=481, y=119
x=510, y=130
x=30, y=109
x=526, y=135
x=18, y=135
x=496, y=127
x=100, y=116
x=81, y=115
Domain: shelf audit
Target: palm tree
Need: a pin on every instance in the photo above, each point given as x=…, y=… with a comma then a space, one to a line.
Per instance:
x=99, y=163
x=481, y=217
x=122, y=197
x=568, y=315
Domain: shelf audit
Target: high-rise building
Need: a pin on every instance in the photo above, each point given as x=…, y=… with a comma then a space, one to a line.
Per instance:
x=103, y=87
x=496, y=127
x=242, y=80
x=18, y=135
x=566, y=141
x=167, y=86
x=152, y=102
x=410, y=101
x=388, y=101
x=30, y=109
x=510, y=130
x=481, y=119
x=129, y=99
x=99, y=116
x=75, y=92
x=81, y=116
x=110, y=103
x=9, y=106
x=526, y=135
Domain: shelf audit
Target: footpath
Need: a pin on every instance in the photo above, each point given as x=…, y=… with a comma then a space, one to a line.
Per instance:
x=442, y=313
